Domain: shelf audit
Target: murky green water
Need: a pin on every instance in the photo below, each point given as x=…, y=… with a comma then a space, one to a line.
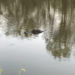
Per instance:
x=51, y=52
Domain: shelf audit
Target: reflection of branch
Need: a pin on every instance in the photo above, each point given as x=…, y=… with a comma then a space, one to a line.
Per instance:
x=61, y=44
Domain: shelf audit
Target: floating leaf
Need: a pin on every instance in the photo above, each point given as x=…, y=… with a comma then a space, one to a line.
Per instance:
x=0, y=70
x=23, y=69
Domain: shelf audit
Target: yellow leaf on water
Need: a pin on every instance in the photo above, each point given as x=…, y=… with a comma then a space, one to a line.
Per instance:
x=23, y=69
x=0, y=70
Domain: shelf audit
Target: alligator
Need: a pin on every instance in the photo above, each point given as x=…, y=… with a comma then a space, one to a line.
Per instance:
x=34, y=31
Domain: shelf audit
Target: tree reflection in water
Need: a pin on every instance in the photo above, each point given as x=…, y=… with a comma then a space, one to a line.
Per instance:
x=56, y=18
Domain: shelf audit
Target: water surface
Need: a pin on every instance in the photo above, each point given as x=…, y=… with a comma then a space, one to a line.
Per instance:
x=51, y=52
